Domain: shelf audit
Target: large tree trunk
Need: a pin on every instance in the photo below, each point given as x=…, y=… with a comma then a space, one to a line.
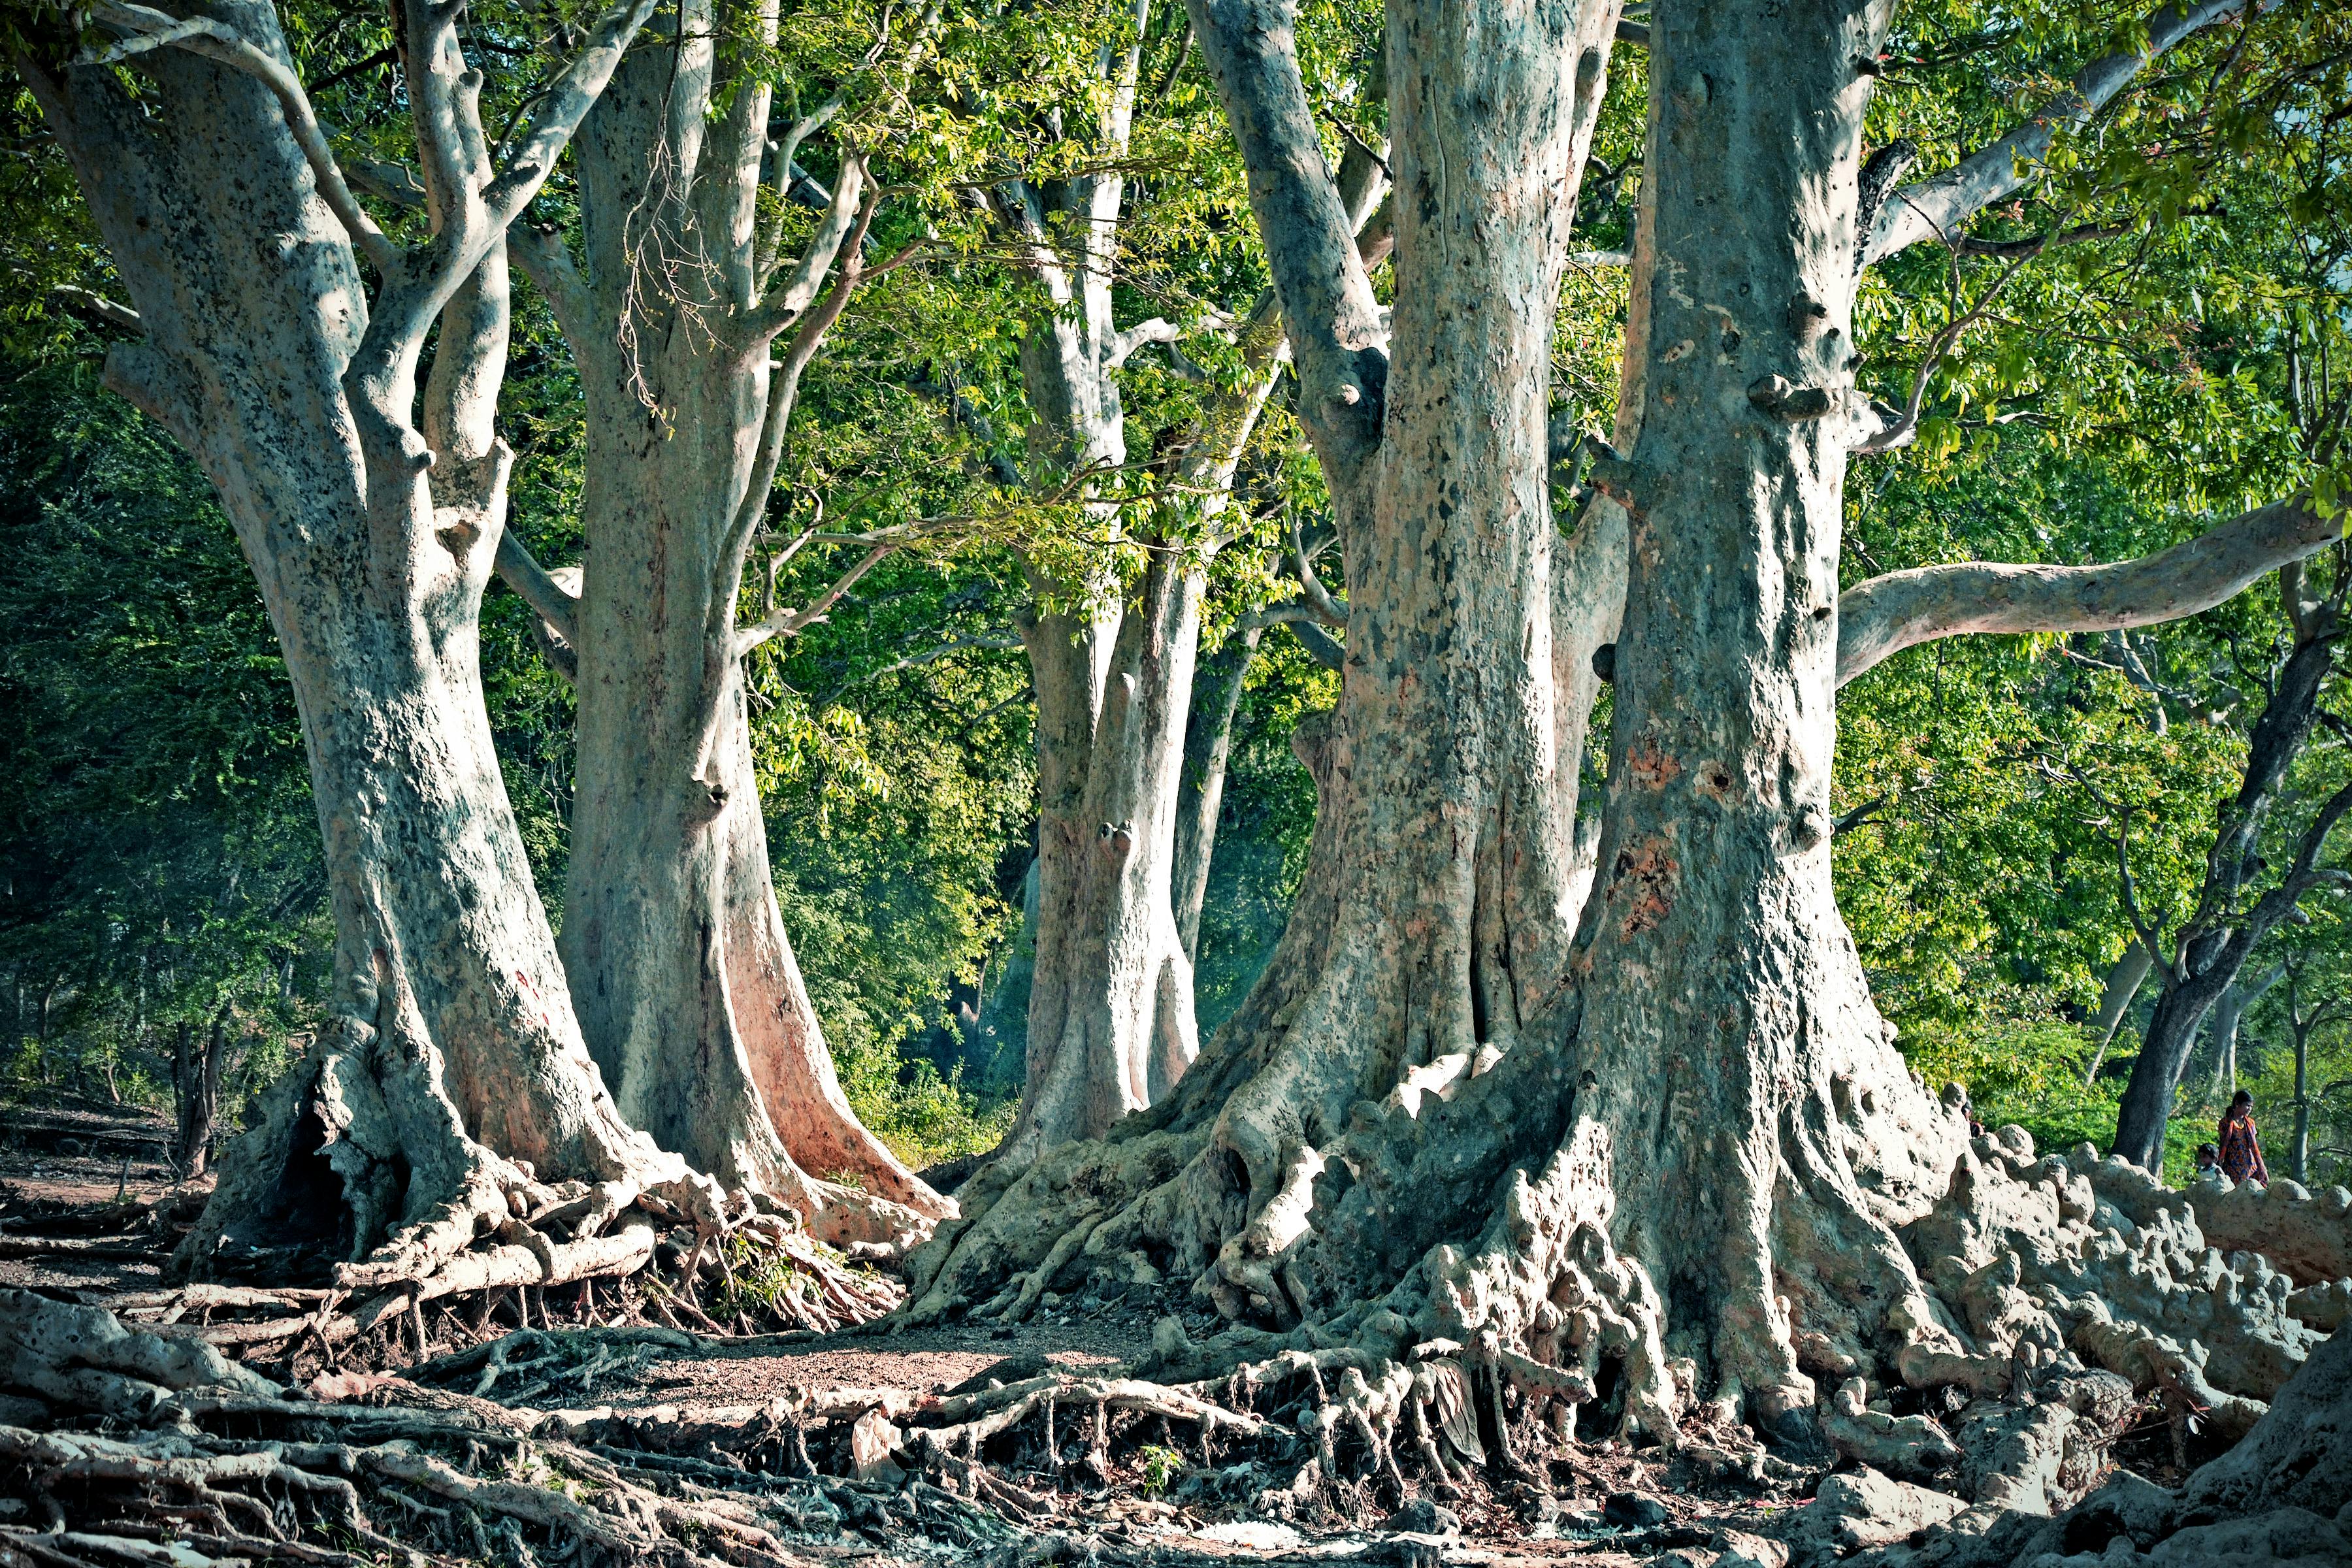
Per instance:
x=1431, y=932
x=1110, y=1003
x=687, y=990
x=1765, y=1135
x=1680, y=1156
x=1208, y=747
x=450, y=1070
x=1111, y=1013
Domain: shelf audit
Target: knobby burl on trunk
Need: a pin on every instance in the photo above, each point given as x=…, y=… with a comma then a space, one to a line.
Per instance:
x=1675, y=1140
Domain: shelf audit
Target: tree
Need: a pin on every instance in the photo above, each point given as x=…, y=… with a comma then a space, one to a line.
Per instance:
x=1110, y=1018
x=2199, y=962
x=2305, y=1015
x=1675, y=1136
x=672, y=936
x=451, y=1071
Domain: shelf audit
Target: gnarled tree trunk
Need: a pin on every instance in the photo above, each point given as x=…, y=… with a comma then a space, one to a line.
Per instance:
x=451, y=1068
x=1765, y=1135
x=1678, y=1153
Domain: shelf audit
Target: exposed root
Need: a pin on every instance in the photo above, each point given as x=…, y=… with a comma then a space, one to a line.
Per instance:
x=2306, y=1235
x=2020, y=1321
x=232, y=1467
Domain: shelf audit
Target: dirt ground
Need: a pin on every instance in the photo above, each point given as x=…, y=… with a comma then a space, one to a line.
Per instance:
x=64, y=1171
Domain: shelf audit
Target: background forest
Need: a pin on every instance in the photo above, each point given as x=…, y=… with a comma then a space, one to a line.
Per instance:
x=2157, y=342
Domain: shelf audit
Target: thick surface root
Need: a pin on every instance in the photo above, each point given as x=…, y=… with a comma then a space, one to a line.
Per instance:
x=2306, y=1236
x=357, y=1186
x=2283, y=1495
x=1990, y=1343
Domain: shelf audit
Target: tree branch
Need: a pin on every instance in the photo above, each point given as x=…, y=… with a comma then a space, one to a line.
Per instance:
x=1890, y=613
x=112, y=312
x=1940, y=204
x=2016, y=250
x=1317, y=599
x=537, y=586
x=562, y=108
x=1333, y=319
x=788, y=622
x=1899, y=431
x=1155, y=331
x=849, y=210
x=218, y=41
x=547, y=261
x=1320, y=644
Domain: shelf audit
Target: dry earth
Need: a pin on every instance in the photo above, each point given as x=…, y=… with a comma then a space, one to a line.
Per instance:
x=768, y=1424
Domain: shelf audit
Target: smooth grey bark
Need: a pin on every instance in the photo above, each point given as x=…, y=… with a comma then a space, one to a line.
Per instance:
x=1888, y=614
x=1111, y=1024
x=688, y=990
x=450, y=1070
x=1936, y=207
x=1111, y=1013
x=2128, y=974
x=1208, y=746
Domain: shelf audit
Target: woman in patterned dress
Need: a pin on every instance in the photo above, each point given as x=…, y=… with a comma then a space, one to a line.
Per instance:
x=2242, y=1148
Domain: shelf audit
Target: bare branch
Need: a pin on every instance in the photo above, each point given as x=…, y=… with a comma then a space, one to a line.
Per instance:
x=1319, y=645
x=1155, y=331
x=2016, y=250
x=547, y=261
x=218, y=41
x=538, y=587
x=1890, y=613
x=1899, y=431
x=996, y=642
x=2150, y=939
x=112, y=312
x=787, y=622
x=1316, y=597
x=850, y=209
x=1940, y=204
x=562, y=108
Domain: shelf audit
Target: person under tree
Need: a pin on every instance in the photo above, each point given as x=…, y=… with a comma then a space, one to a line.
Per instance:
x=2242, y=1147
